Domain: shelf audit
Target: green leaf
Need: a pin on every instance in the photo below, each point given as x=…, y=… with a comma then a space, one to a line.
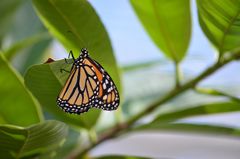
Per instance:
x=214, y=92
x=168, y=23
x=7, y=12
x=142, y=65
x=17, y=106
x=206, y=109
x=25, y=43
x=34, y=54
x=75, y=24
x=26, y=46
x=26, y=19
x=195, y=128
x=18, y=142
x=220, y=22
x=45, y=82
x=71, y=143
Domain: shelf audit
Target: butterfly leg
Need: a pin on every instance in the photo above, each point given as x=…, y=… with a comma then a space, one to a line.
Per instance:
x=67, y=62
x=62, y=69
x=70, y=54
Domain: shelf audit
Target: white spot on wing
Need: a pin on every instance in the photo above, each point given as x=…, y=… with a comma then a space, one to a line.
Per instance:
x=104, y=86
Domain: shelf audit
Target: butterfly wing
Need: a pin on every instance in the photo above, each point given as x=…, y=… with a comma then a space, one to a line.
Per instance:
x=79, y=91
x=88, y=85
x=107, y=95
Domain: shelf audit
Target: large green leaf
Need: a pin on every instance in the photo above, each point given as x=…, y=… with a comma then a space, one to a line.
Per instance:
x=206, y=109
x=220, y=22
x=7, y=10
x=168, y=24
x=45, y=82
x=18, y=142
x=26, y=46
x=17, y=106
x=75, y=24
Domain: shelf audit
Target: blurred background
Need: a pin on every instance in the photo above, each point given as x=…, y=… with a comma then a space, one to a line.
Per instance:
x=132, y=45
x=146, y=75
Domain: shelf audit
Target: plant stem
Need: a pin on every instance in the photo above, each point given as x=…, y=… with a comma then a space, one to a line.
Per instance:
x=178, y=74
x=115, y=131
x=92, y=136
x=120, y=128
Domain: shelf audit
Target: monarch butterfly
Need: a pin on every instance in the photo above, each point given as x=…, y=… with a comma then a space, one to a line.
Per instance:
x=87, y=86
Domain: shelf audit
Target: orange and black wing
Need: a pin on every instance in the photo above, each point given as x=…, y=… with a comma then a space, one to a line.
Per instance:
x=88, y=85
x=79, y=91
x=107, y=97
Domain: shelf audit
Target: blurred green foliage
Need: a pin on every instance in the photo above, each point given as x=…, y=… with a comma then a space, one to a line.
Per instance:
x=220, y=22
x=168, y=23
x=18, y=142
x=27, y=107
x=25, y=43
x=7, y=10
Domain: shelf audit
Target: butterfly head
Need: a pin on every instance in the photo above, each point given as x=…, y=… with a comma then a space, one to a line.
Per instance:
x=84, y=52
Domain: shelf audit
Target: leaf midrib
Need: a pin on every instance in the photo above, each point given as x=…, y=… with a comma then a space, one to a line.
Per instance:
x=67, y=21
x=24, y=144
x=221, y=45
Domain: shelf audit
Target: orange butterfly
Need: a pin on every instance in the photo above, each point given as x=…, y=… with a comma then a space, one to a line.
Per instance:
x=87, y=86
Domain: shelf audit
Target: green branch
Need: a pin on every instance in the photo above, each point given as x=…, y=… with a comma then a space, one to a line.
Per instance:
x=123, y=127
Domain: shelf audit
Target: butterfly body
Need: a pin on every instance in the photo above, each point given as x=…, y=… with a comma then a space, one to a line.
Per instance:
x=87, y=86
